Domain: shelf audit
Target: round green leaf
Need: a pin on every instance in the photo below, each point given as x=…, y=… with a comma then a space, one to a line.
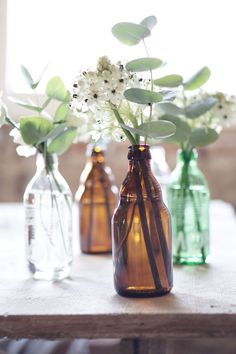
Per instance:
x=34, y=128
x=130, y=33
x=196, y=109
x=142, y=96
x=182, y=132
x=157, y=130
x=198, y=79
x=62, y=112
x=62, y=142
x=143, y=64
x=56, y=89
x=169, y=81
x=170, y=108
x=202, y=137
x=149, y=22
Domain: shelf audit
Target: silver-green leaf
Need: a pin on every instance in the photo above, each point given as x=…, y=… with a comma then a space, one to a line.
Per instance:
x=198, y=108
x=157, y=130
x=142, y=96
x=143, y=64
x=149, y=22
x=182, y=132
x=34, y=128
x=202, y=137
x=130, y=33
x=169, y=81
x=197, y=80
x=170, y=108
x=62, y=142
x=56, y=89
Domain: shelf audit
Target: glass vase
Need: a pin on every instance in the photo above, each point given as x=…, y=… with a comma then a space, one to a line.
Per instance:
x=141, y=232
x=188, y=200
x=48, y=221
x=97, y=198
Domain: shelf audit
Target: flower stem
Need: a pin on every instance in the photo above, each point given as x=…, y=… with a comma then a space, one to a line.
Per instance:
x=121, y=122
x=144, y=224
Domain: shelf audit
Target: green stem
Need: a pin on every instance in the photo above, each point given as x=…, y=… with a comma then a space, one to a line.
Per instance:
x=121, y=122
x=11, y=122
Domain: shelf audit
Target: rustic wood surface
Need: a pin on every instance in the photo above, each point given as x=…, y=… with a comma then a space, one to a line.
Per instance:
x=202, y=303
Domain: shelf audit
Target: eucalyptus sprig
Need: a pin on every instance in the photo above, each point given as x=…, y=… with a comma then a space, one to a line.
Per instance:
x=194, y=115
x=41, y=131
x=122, y=97
x=132, y=34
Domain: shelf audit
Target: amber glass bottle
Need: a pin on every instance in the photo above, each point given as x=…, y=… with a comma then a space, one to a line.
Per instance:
x=97, y=199
x=141, y=232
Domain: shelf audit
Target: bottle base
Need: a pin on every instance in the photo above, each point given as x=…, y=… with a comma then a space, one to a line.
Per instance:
x=139, y=293
x=193, y=260
x=96, y=252
x=49, y=274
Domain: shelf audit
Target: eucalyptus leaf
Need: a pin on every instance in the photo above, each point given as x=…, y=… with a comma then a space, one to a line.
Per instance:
x=56, y=89
x=62, y=112
x=198, y=79
x=27, y=76
x=25, y=104
x=168, y=95
x=149, y=22
x=34, y=128
x=169, y=81
x=56, y=130
x=143, y=64
x=130, y=33
x=62, y=142
x=157, y=130
x=46, y=103
x=142, y=96
x=170, y=108
x=182, y=132
x=196, y=109
x=202, y=137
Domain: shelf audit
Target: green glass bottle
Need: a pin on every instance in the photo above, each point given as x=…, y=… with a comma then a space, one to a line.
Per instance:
x=188, y=200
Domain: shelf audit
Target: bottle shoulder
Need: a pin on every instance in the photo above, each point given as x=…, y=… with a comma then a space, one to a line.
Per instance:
x=188, y=174
x=52, y=182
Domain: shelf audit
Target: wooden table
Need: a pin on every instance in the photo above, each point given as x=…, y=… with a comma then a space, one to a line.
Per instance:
x=202, y=303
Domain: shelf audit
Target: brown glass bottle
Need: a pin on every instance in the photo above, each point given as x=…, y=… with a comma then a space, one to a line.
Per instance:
x=141, y=232
x=97, y=199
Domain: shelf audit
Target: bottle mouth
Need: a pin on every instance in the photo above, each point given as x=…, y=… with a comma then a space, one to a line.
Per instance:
x=139, y=152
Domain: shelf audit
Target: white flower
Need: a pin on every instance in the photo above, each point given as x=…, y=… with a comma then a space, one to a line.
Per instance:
x=26, y=150
x=225, y=110
x=23, y=149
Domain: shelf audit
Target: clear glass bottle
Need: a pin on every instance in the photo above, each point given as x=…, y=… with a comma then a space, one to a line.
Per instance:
x=160, y=168
x=97, y=198
x=48, y=221
x=188, y=200
x=142, y=254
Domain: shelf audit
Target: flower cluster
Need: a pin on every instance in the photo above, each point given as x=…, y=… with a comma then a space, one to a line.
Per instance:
x=225, y=111
x=96, y=93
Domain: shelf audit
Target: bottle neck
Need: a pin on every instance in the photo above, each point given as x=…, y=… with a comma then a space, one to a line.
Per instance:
x=187, y=157
x=96, y=155
x=47, y=163
x=139, y=154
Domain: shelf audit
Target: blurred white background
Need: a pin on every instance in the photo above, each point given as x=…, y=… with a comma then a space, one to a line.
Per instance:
x=70, y=34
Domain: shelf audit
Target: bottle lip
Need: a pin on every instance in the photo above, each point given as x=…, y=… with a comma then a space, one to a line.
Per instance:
x=139, y=152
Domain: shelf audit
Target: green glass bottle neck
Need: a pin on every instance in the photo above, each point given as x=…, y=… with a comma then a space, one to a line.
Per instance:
x=187, y=157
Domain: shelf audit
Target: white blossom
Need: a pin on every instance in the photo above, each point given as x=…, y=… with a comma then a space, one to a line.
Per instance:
x=23, y=149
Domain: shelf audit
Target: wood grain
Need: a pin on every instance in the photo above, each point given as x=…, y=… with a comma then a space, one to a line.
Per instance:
x=202, y=303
